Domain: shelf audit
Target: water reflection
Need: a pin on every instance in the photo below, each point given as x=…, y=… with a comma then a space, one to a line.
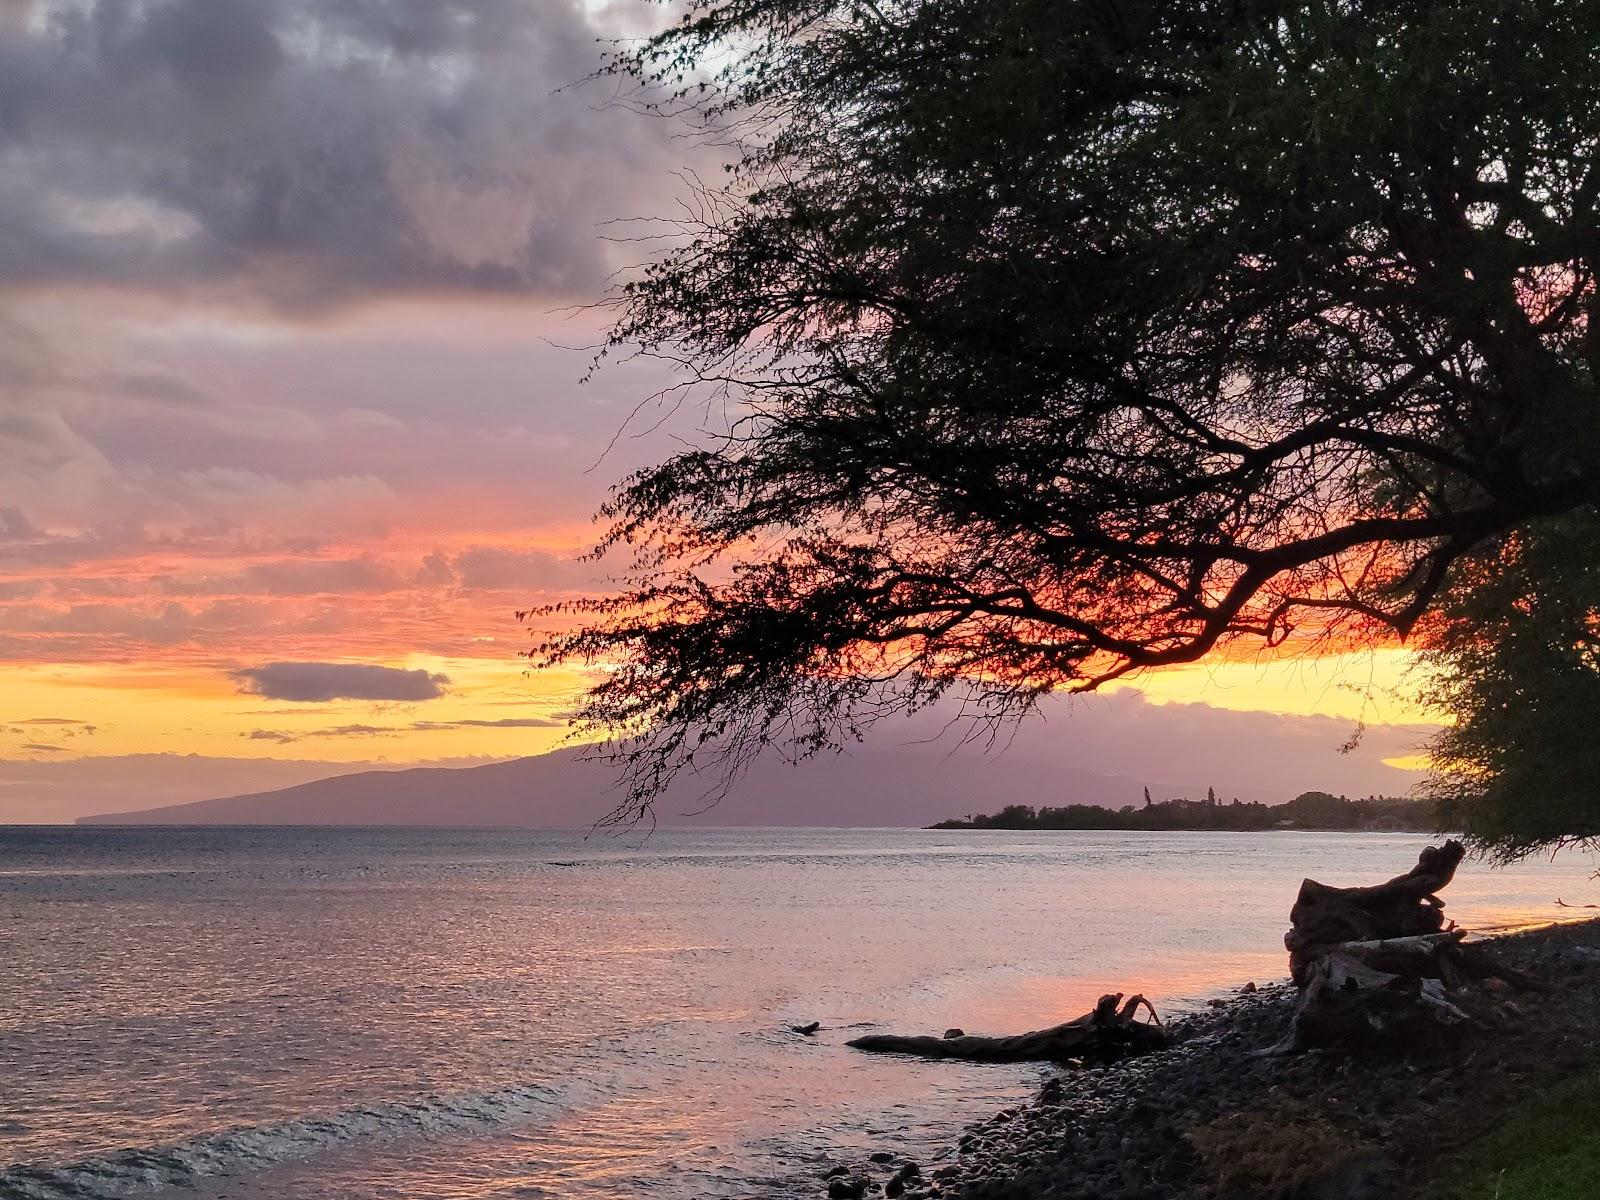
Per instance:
x=416, y=1013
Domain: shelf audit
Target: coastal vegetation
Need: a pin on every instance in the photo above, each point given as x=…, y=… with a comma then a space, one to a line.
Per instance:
x=1044, y=342
x=1514, y=655
x=1309, y=810
x=1549, y=1150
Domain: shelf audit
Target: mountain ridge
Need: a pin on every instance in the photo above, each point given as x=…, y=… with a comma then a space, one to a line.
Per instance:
x=561, y=789
x=1104, y=753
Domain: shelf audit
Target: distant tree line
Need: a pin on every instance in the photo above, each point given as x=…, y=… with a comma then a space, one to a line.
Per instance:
x=1309, y=810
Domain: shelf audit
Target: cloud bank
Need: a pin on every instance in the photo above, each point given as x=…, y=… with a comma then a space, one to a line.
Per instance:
x=302, y=153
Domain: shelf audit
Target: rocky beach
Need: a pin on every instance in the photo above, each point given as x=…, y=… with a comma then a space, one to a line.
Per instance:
x=1224, y=1115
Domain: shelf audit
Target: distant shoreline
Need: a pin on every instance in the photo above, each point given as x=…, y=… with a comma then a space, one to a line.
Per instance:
x=108, y=822
x=1309, y=812
x=964, y=827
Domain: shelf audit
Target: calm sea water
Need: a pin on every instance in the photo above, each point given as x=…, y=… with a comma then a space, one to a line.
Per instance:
x=416, y=1013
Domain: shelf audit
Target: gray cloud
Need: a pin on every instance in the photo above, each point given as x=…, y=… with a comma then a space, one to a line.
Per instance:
x=314, y=682
x=219, y=51
x=64, y=727
x=492, y=568
x=269, y=735
x=15, y=526
x=304, y=152
x=435, y=570
x=284, y=736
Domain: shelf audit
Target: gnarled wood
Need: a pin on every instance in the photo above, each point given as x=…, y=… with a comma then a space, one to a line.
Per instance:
x=1378, y=968
x=1110, y=1032
x=1406, y=906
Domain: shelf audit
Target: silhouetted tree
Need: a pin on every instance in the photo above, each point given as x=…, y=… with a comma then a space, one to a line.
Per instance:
x=1061, y=339
x=1515, y=655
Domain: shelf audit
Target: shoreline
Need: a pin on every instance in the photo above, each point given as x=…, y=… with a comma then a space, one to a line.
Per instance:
x=1213, y=1117
x=962, y=827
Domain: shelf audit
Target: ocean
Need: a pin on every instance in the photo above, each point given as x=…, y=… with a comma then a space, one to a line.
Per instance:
x=406, y=1013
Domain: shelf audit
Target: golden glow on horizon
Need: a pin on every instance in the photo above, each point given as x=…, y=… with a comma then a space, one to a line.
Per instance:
x=1368, y=685
x=487, y=710
x=1409, y=762
x=494, y=707
x=382, y=484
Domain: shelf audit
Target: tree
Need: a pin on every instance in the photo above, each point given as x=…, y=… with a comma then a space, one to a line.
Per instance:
x=1515, y=655
x=1063, y=339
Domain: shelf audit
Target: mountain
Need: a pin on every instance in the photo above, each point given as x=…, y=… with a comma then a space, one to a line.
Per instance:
x=1102, y=752
x=899, y=786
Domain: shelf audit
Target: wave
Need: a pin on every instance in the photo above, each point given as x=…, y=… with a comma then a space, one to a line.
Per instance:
x=141, y=1169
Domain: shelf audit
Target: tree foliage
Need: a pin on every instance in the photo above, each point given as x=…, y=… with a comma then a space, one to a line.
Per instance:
x=1062, y=339
x=1515, y=655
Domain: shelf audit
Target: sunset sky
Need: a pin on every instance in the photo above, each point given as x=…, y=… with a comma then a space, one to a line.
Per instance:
x=293, y=332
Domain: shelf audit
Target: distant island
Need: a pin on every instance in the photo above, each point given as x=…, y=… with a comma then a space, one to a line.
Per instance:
x=1309, y=810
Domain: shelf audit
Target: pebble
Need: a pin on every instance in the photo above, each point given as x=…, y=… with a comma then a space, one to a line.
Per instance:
x=1119, y=1133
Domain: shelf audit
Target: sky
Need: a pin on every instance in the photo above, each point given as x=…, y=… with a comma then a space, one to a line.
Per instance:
x=297, y=306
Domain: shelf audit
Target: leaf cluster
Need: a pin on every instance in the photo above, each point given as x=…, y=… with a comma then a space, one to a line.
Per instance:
x=1062, y=339
x=1514, y=654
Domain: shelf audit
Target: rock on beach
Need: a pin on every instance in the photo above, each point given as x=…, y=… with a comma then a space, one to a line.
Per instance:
x=1217, y=1115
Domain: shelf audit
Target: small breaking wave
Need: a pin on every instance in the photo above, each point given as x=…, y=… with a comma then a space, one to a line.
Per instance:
x=257, y=1147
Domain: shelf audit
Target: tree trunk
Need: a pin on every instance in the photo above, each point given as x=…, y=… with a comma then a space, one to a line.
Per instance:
x=1406, y=906
x=1377, y=966
x=1106, y=1034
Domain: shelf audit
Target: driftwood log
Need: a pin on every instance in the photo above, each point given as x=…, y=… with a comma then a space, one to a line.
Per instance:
x=1407, y=906
x=1380, y=966
x=1112, y=1031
